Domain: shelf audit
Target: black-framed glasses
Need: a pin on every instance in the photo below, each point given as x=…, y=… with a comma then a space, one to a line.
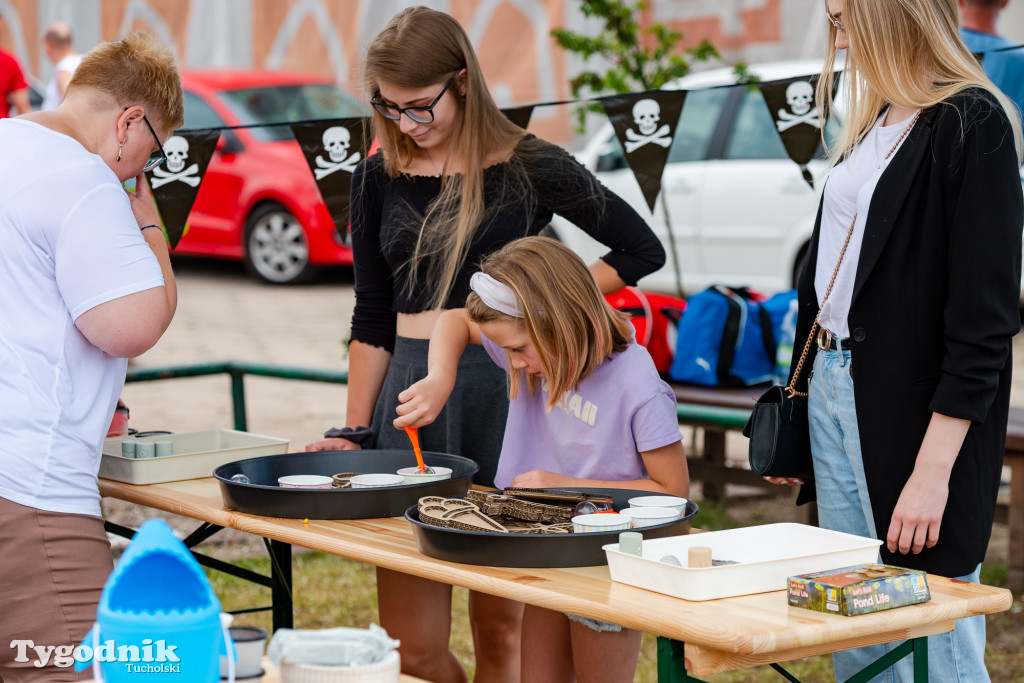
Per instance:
x=160, y=156
x=417, y=114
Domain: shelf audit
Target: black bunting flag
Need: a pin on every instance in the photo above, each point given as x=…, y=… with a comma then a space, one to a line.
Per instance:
x=645, y=124
x=797, y=118
x=175, y=183
x=332, y=149
x=519, y=115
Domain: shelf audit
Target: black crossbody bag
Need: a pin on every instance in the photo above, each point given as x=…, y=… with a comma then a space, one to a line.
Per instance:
x=780, y=440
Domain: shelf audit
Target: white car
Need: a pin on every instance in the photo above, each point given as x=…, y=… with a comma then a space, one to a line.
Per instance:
x=741, y=212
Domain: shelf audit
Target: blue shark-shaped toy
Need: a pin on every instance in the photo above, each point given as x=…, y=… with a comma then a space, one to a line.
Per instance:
x=158, y=617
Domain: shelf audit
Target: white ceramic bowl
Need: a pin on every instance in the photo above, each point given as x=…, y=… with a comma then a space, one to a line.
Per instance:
x=305, y=481
x=677, y=504
x=413, y=476
x=600, y=521
x=369, y=481
x=644, y=516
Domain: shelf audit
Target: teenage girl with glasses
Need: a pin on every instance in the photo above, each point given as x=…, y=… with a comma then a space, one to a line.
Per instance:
x=544, y=322
x=910, y=388
x=454, y=181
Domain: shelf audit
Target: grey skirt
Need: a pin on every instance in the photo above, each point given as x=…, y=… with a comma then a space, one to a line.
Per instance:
x=472, y=423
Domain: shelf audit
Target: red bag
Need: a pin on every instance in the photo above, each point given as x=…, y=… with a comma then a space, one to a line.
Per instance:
x=655, y=318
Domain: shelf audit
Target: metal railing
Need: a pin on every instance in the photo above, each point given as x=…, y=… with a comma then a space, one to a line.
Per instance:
x=688, y=413
x=237, y=370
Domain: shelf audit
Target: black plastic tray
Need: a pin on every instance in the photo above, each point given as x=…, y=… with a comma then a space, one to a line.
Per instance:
x=494, y=549
x=265, y=498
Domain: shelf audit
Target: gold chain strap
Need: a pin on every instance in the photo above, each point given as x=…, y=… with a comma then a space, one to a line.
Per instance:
x=791, y=388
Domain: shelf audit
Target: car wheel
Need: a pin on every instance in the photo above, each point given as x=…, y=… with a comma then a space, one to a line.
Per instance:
x=276, y=248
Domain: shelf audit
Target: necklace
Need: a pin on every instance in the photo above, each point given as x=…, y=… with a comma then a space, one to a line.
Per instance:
x=913, y=120
x=431, y=160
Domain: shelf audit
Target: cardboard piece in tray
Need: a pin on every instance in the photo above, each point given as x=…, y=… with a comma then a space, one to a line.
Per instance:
x=860, y=589
x=558, y=495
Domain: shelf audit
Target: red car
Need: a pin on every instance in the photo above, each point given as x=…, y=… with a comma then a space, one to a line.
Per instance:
x=258, y=201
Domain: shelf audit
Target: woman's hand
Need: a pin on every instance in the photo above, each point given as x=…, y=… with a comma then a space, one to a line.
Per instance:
x=784, y=481
x=333, y=445
x=918, y=514
x=142, y=203
x=542, y=479
x=422, y=402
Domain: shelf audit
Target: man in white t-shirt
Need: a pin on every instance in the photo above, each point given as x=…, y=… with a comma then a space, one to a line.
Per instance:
x=57, y=44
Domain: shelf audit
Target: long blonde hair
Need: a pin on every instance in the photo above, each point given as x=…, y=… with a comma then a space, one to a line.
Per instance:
x=421, y=47
x=569, y=322
x=905, y=52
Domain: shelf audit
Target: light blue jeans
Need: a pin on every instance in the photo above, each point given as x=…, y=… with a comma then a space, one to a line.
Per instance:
x=844, y=505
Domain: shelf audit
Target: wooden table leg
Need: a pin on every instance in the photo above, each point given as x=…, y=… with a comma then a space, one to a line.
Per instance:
x=672, y=662
x=1015, y=521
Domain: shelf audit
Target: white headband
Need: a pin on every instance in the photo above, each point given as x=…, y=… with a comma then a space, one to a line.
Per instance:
x=496, y=295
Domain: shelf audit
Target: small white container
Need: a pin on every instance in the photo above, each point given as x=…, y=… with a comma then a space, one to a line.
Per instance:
x=367, y=481
x=412, y=475
x=305, y=481
x=766, y=556
x=249, y=642
x=600, y=521
x=674, y=502
x=650, y=516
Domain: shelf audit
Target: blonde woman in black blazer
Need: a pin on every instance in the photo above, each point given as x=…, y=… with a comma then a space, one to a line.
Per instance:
x=910, y=388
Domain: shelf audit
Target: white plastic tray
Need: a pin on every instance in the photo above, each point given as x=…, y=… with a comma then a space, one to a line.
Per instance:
x=767, y=556
x=196, y=455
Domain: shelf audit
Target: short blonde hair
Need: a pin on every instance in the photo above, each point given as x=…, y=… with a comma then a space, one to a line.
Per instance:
x=569, y=322
x=137, y=69
x=907, y=52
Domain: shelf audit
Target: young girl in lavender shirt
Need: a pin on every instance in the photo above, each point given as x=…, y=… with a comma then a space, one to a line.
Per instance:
x=587, y=409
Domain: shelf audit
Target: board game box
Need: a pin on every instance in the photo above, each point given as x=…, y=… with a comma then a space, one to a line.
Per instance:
x=859, y=589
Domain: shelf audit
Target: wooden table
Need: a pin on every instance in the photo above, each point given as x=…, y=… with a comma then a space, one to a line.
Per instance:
x=706, y=637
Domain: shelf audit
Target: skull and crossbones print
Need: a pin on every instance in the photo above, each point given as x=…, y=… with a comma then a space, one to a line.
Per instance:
x=799, y=96
x=337, y=141
x=176, y=149
x=646, y=114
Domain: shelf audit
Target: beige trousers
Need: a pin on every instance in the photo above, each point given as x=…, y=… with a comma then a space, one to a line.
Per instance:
x=52, y=570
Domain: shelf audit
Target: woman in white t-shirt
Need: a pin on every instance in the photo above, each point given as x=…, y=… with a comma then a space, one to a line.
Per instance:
x=909, y=392
x=85, y=283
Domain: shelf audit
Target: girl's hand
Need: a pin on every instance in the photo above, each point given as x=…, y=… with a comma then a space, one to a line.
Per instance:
x=333, y=445
x=422, y=402
x=542, y=479
x=785, y=481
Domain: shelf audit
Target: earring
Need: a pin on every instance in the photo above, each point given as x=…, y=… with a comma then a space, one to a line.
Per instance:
x=120, y=145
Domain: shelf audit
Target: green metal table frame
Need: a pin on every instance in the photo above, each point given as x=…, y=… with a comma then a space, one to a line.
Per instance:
x=672, y=668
